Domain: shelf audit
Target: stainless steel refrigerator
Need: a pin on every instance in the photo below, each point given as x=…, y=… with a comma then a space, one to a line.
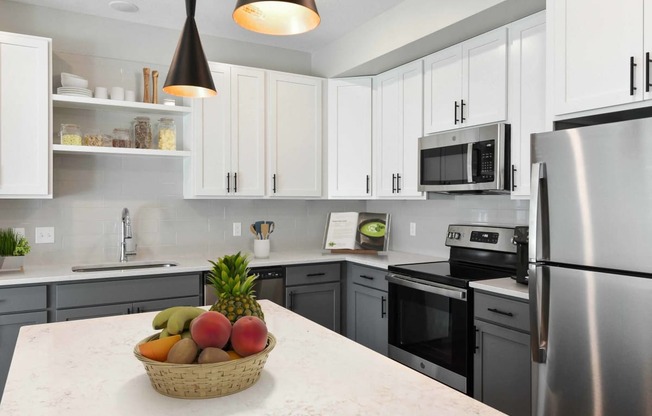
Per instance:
x=590, y=272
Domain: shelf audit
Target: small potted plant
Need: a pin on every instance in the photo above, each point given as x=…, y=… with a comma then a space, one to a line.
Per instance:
x=13, y=248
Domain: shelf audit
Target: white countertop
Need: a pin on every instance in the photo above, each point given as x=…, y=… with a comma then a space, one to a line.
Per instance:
x=505, y=286
x=87, y=367
x=63, y=273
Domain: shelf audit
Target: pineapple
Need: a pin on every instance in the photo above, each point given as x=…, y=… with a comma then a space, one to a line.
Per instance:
x=234, y=287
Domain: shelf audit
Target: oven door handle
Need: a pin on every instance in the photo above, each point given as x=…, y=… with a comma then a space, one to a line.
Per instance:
x=434, y=288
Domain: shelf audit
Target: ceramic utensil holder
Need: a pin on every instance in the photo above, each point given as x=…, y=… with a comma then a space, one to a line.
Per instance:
x=261, y=249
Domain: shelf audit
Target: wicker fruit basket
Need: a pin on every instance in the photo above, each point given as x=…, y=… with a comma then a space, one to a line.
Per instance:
x=202, y=381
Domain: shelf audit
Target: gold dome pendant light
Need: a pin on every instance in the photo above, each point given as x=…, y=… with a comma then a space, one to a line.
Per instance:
x=189, y=75
x=277, y=17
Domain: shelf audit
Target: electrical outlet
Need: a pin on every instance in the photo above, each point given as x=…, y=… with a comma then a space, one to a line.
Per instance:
x=19, y=231
x=413, y=229
x=44, y=235
x=237, y=229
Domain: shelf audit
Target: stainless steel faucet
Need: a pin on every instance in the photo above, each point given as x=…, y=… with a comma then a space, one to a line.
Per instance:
x=126, y=237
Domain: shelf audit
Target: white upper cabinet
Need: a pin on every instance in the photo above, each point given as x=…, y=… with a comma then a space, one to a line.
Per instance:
x=349, y=138
x=527, y=95
x=228, y=146
x=397, y=126
x=466, y=85
x=294, y=135
x=25, y=117
x=599, y=53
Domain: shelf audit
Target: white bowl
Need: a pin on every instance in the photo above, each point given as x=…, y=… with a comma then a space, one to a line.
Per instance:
x=72, y=80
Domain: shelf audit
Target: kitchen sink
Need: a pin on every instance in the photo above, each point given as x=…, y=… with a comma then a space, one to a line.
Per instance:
x=123, y=266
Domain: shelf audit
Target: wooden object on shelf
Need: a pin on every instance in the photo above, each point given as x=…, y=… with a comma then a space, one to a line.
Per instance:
x=354, y=251
x=154, y=87
x=146, y=97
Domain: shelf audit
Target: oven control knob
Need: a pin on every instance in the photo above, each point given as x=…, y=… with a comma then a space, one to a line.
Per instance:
x=457, y=236
x=450, y=234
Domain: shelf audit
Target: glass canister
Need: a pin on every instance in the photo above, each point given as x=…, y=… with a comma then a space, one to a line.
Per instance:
x=142, y=133
x=167, y=134
x=92, y=137
x=121, y=138
x=70, y=134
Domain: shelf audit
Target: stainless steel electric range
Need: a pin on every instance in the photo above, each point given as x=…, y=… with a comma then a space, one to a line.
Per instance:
x=430, y=306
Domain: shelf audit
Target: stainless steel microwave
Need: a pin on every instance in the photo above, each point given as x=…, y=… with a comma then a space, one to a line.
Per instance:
x=472, y=160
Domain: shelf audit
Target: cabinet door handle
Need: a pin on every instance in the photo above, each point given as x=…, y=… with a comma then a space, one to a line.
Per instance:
x=364, y=276
x=647, y=72
x=632, y=73
x=290, y=296
x=513, y=183
x=398, y=183
x=367, y=183
x=462, y=119
x=477, y=346
x=228, y=182
x=274, y=183
x=128, y=311
x=455, y=109
x=383, y=310
x=393, y=183
x=138, y=310
x=235, y=182
x=498, y=311
x=315, y=274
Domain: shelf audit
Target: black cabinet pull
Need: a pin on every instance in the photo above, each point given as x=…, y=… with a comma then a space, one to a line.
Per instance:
x=228, y=182
x=513, y=184
x=364, y=276
x=274, y=183
x=393, y=183
x=138, y=310
x=398, y=183
x=235, y=182
x=315, y=274
x=647, y=72
x=632, y=73
x=128, y=311
x=462, y=119
x=367, y=183
x=383, y=310
x=290, y=296
x=498, y=311
x=456, y=107
x=477, y=332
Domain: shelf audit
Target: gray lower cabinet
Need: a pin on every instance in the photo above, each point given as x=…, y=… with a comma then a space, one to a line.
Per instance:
x=501, y=367
x=313, y=291
x=98, y=298
x=19, y=306
x=369, y=309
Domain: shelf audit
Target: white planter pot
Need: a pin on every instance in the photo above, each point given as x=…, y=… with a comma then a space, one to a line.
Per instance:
x=11, y=263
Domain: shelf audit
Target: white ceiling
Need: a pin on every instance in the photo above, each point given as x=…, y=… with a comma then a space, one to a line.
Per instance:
x=338, y=17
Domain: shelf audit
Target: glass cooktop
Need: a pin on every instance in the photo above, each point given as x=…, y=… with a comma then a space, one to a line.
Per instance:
x=451, y=273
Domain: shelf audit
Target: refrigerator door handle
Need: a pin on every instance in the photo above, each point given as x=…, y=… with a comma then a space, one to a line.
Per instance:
x=537, y=205
x=539, y=300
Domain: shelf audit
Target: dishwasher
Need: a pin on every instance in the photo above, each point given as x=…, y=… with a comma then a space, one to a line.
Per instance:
x=270, y=285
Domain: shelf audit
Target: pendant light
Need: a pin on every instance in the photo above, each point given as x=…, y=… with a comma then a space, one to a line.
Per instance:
x=277, y=17
x=189, y=75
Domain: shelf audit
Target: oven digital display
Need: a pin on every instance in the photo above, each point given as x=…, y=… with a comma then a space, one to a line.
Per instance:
x=484, y=237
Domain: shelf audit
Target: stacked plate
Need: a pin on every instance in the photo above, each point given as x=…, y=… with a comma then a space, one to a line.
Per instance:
x=76, y=91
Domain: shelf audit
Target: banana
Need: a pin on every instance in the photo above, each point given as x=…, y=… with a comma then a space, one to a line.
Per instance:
x=164, y=334
x=160, y=321
x=185, y=334
x=180, y=319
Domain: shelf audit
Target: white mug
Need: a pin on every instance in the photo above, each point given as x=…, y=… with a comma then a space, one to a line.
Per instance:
x=261, y=249
x=100, y=92
x=130, y=95
x=117, y=93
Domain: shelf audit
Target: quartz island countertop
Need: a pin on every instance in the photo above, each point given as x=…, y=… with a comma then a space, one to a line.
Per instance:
x=87, y=367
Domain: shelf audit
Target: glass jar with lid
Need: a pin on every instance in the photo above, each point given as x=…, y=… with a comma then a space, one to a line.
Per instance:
x=167, y=134
x=92, y=137
x=142, y=133
x=70, y=134
x=121, y=138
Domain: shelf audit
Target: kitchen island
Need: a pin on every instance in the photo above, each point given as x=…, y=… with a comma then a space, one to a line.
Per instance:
x=87, y=367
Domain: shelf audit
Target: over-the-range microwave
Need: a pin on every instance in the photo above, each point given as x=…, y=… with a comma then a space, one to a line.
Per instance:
x=472, y=160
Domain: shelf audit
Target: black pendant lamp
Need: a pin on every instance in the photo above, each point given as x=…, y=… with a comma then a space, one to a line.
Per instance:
x=277, y=17
x=189, y=75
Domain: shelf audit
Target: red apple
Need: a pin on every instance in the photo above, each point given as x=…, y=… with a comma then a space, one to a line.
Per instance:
x=249, y=335
x=210, y=329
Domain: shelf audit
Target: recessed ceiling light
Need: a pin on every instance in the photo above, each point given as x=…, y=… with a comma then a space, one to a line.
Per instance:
x=123, y=6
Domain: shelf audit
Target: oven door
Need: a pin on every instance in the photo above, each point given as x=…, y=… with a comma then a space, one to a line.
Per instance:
x=429, y=329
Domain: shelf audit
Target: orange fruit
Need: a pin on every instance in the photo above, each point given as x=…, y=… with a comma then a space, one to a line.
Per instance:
x=158, y=349
x=234, y=355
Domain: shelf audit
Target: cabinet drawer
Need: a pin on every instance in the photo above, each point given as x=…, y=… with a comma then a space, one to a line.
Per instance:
x=507, y=312
x=314, y=273
x=127, y=290
x=24, y=298
x=367, y=276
